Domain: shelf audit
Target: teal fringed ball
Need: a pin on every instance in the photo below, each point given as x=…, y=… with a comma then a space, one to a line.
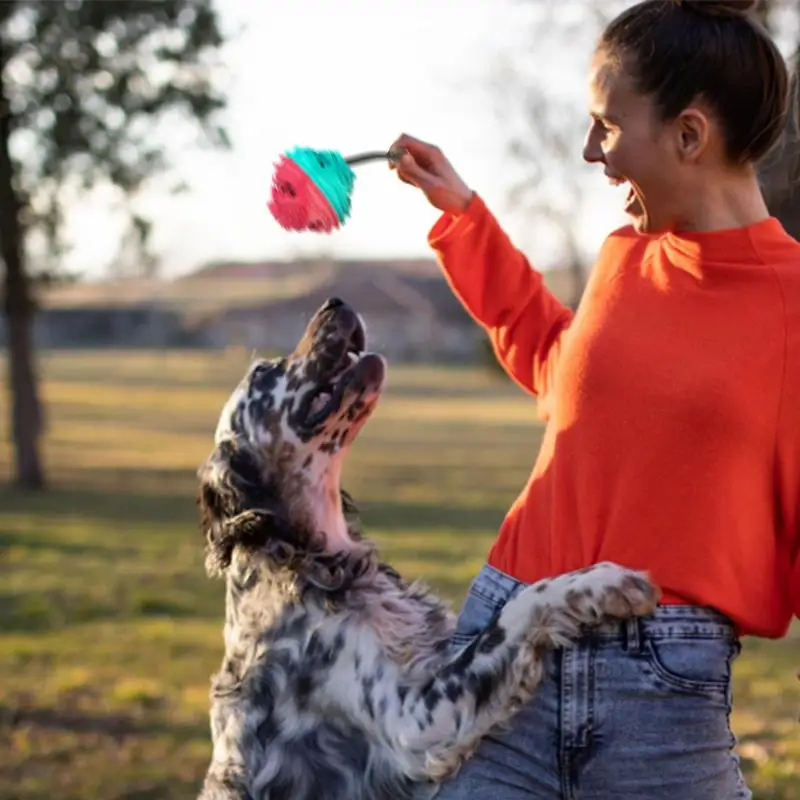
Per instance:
x=330, y=173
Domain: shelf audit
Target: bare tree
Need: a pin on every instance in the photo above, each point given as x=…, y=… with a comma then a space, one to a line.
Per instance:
x=83, y=86
x=551, y=186
x=546, y=127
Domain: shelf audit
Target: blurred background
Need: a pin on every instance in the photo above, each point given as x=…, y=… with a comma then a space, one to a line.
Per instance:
x=142, y=270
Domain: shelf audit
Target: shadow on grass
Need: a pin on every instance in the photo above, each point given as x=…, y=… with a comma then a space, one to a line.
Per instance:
x=40, y=612
x=114, y=725
x=36, y=541
x=388, y=516
x=86, y=555
x=109, y=503
x=138, y=506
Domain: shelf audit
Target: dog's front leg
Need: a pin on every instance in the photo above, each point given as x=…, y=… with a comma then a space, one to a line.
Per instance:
x=239, y=717
x=234, y=754
x=435, y=726
x=216, y=789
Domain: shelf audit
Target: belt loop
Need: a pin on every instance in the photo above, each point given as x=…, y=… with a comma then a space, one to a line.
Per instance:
x=633, y=635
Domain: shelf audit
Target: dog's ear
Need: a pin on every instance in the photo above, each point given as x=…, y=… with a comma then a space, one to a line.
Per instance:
x=236, y=506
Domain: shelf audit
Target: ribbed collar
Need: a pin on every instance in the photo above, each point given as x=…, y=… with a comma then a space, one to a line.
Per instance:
x=728, y=246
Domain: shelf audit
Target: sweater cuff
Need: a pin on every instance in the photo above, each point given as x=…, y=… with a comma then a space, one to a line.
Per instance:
x=450, y=224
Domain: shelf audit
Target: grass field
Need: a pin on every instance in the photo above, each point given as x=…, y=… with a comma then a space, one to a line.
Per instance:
x=109, y=629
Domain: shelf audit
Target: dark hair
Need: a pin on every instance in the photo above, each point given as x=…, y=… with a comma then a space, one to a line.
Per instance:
x=678, y=51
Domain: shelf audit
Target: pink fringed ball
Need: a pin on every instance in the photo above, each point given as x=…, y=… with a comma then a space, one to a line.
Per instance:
x=296, y=203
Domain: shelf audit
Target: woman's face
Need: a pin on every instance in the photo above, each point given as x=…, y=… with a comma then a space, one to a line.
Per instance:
x=636, y=148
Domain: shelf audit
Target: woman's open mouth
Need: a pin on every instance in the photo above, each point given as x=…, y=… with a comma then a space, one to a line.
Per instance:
x=632, y=204
x=631, y=201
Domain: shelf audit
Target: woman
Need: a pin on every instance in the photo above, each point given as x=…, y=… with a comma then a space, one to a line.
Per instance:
x=672, y=401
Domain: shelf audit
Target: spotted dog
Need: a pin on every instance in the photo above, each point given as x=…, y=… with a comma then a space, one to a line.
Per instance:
x=339, y=679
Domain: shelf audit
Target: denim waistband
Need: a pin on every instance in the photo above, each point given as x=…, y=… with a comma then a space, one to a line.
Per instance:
x=688, y=621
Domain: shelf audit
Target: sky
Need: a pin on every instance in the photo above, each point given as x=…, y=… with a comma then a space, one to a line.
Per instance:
x=351, y=75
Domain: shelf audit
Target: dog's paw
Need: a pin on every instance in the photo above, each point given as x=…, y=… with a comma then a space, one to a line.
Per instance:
x=608, y=590
x=553, y=611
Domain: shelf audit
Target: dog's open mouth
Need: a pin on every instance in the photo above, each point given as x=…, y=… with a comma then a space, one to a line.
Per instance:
x=356, y=373
x=327, y=398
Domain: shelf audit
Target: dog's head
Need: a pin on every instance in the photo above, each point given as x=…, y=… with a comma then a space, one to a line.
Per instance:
x=271, y=484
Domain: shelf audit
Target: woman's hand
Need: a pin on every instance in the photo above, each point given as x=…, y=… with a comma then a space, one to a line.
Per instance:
x=425, y=166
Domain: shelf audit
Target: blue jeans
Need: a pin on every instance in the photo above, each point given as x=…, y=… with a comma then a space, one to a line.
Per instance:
x=636, y=711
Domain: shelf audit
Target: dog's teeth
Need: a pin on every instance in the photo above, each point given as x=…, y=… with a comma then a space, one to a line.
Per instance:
x=353, y=357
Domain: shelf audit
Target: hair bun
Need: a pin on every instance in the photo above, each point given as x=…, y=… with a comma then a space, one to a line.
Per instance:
x=720, y=8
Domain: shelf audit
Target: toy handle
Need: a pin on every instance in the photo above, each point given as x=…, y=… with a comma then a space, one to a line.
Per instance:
x=375, y=155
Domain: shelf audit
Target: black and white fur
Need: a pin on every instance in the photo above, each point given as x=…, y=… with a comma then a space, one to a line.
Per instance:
x=339, y=681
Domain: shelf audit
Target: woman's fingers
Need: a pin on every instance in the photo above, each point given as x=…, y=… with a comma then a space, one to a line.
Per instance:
x=409, y=169
x=424, y=166
x=427, y=156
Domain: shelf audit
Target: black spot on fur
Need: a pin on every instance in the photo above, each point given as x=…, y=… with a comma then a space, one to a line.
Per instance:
x=431, y=698
x=338, y=643
x=459, y=667
x=453, y=690
x=266, y=731
x=491, y=639
x=314, y=647
x=368, y=705
x=482, y=685
x=305, y=683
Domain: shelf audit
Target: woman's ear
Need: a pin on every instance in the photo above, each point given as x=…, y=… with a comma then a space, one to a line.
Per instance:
x=692, y=130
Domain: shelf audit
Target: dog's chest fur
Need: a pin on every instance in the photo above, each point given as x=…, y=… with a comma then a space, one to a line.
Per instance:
x=283, y=645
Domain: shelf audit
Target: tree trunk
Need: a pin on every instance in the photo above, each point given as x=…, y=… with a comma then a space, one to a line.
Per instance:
x=26, y=411
x=26, y=417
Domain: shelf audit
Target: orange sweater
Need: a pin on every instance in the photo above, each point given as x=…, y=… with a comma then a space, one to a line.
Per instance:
x=672, y=403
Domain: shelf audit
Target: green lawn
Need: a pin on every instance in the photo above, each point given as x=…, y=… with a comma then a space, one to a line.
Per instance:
x=110, y=629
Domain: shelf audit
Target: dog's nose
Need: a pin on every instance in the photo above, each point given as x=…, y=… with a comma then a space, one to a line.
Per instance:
x=331, y=303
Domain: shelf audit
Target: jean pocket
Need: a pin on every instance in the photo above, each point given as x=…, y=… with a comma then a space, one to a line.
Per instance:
x=476, y=613
x=692, y=664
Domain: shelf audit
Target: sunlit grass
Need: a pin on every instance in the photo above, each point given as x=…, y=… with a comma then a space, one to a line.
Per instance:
x=110, y=629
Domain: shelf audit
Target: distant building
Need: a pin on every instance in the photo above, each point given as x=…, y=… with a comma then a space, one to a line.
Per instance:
x=410, y=311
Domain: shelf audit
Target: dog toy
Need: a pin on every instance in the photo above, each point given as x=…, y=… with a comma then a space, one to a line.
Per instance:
x=311, y=189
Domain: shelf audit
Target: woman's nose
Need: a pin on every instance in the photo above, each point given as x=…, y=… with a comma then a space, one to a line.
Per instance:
x=592, y=151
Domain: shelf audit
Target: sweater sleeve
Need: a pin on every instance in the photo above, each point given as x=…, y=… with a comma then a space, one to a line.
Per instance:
x=498, y=287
